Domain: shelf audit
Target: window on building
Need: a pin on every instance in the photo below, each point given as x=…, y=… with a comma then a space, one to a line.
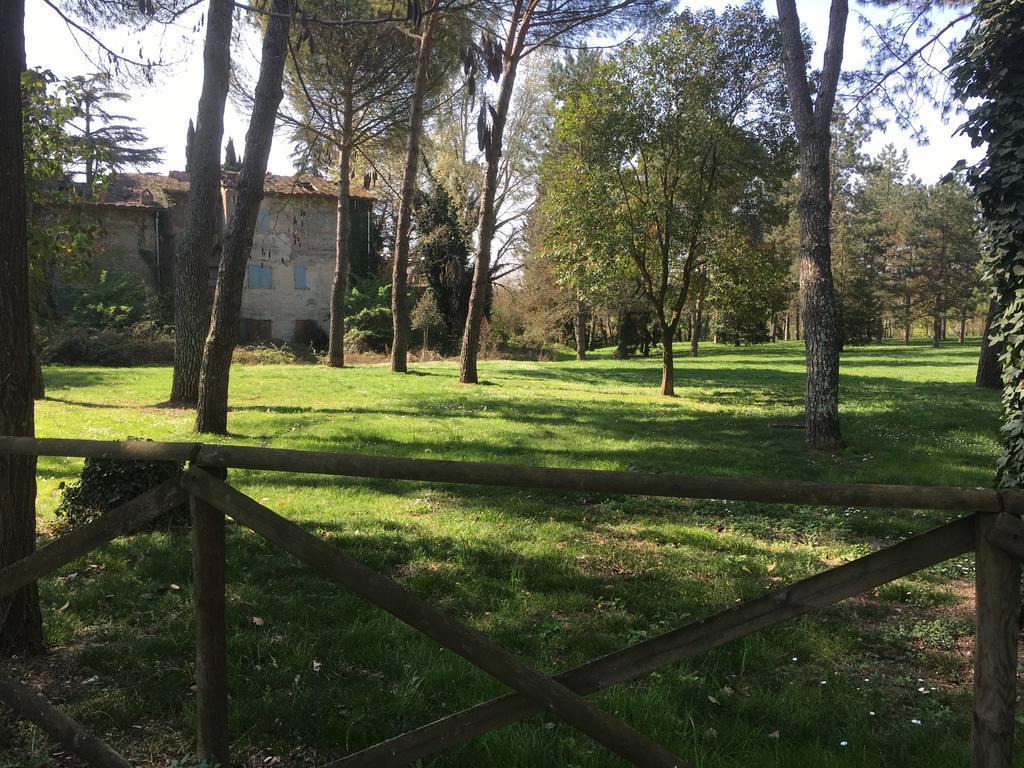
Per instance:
x=251, y=331
x=299, y=272
x=309, y=332
x=263, y=223
x=260, y=276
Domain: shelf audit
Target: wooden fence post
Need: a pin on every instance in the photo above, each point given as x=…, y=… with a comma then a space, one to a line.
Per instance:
x=208, y=584
x=997, y=600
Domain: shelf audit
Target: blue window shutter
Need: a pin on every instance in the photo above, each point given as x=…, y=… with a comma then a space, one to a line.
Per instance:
x=299, y=272
x=260, y=276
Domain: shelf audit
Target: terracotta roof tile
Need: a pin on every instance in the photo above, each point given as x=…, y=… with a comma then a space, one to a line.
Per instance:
x=148, y=190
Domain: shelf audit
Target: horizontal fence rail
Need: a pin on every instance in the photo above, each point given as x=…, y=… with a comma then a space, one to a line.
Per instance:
x=992, y=528
x=526, y=476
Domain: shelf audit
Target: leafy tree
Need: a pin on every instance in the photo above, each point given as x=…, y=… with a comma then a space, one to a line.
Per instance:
x=661, y=145
x=949, y=239
x=231, y=161
x=109, y=142
x=989, y=73
x=426, y=315
x=526, y=26
x=59, y=245
x=349, y=86
x=442, y=248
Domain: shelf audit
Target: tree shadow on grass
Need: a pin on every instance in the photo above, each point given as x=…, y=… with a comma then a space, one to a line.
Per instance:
x=322, y=669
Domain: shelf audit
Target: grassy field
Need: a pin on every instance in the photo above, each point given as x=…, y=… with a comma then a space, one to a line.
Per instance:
x=879, y=681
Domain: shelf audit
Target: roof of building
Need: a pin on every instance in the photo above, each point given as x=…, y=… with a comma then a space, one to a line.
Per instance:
x=150, y=190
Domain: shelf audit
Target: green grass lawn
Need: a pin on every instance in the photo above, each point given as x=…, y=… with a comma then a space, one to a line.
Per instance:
x=558, y=578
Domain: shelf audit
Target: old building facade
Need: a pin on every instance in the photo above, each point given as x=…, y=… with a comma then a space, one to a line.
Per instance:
x=291, y=265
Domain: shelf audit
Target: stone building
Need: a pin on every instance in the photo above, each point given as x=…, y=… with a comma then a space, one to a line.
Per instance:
x=291, y=266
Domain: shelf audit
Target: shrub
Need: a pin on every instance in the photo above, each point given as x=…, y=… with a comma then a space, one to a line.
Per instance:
x=273, y=354
x=144, y=343
x=111, y=302
x=107, y=483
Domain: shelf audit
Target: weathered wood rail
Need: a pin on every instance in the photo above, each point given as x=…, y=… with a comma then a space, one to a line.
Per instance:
x=991, y=527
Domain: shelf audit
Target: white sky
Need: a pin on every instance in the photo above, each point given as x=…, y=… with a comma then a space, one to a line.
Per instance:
x=164, y=108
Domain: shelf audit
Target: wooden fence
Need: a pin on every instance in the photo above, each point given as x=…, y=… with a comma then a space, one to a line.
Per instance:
x=991, y=527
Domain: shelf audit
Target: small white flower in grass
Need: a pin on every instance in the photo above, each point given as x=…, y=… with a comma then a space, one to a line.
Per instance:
x=824, y=682
x=922, y=689
x=871, y=713
x=915, y=721
x=317, y=666
x=794, y=659
x=843, y=743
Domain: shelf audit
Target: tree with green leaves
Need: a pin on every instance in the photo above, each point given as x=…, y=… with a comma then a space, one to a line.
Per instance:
x=520, y=28
x=988, y=73
x=660, y=145
x=110, y=142
x=442, y=251
x=348, y=87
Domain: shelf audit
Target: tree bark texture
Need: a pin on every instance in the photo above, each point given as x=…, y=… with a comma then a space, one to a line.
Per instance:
x=668, y=386
x=818, y=300
x=697, y=323
x=203, y=208
x=339, y=287
x=990, y=372
x=20, y=619
x=400, y=262
x=486, y=227
x=212, y=413
x=813, y=120
x=580, y=324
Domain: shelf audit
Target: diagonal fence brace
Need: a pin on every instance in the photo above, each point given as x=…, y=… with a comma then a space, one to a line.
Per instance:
x=120, y=521
x=800, y=598
x=405, y=605
x=30, y=705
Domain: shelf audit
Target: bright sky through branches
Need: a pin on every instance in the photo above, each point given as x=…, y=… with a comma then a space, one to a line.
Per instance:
x=164, y=108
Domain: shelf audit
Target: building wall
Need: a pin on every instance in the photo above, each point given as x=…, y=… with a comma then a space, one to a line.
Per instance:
x=130, y=244
x=290, y=232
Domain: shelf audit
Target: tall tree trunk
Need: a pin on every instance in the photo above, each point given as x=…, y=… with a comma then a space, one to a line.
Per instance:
x=961, y=333
x=697, y=322
x=400, y=262
x=198, y=240
x=581, y=330
x=813, y=120
x=938, y=328
x=990, y=371
x=788, y=326
x=212, y=413
x=668, y=386
x=38, y=382
x=486, y=227
x=818, y=302
x=621, y=327
x=21, y=627
x=339, y=287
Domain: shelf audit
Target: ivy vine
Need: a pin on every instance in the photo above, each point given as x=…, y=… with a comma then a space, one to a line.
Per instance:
x=988, y=75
